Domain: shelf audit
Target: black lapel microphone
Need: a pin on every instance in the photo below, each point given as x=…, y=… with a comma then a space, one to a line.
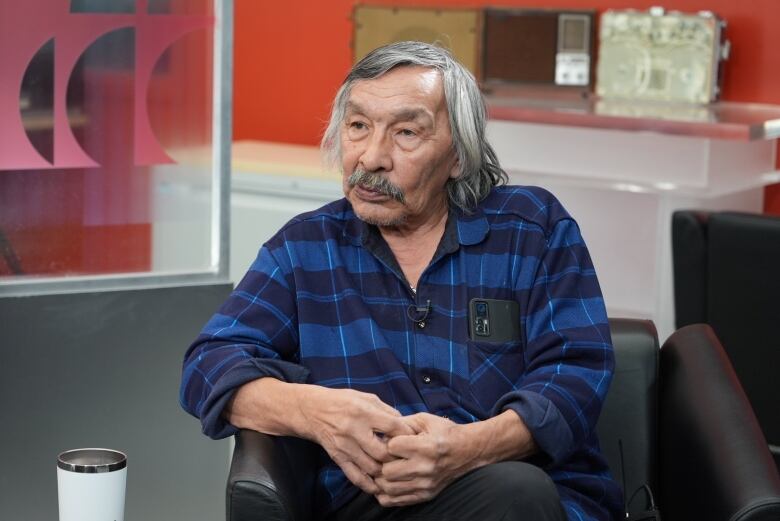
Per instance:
x=418, y=314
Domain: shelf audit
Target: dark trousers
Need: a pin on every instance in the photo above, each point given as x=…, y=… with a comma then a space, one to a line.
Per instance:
x=507, y=491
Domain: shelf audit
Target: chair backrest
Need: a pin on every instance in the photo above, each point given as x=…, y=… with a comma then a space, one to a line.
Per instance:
x=726, y=275
x=629, y=418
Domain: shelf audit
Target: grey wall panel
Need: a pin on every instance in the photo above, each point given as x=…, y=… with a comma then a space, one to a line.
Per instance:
x=103, y=370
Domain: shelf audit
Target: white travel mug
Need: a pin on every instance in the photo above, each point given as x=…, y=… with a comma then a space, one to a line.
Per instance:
x=91, y=485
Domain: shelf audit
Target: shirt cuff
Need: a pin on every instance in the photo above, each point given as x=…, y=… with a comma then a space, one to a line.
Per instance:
x=548, y=427
x=214, y=425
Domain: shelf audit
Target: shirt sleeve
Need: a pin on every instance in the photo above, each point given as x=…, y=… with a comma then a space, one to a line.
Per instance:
x=253, y=335
x=569, y=358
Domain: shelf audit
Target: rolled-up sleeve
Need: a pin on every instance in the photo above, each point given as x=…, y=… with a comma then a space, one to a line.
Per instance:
x=253, y=335
x=569, y=358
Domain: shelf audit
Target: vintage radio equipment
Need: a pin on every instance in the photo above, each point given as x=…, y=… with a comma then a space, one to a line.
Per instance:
x=454, y=29
x=535, y=47
x=621, y=107
x=662, y=56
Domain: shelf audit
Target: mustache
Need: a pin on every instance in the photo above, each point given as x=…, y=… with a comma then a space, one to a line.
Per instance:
x=376, y=182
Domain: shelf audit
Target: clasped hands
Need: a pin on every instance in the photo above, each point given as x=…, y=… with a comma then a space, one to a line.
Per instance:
x=401, y=460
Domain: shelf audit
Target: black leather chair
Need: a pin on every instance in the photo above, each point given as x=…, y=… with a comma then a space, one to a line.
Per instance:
x=726, y=275
x=676, y=419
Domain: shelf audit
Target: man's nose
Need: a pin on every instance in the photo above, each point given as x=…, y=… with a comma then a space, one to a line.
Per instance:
x=376, y=156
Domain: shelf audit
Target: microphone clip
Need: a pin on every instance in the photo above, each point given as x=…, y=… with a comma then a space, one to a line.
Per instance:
x=418, y=314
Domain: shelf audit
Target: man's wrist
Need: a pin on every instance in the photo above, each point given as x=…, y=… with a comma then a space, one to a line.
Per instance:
x=306, y=399
x=274, y=407
x=470, y=447
x=501, y=438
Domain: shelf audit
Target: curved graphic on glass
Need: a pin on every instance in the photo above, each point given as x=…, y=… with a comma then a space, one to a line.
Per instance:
x=99, y=98
x=178, y=108
x=102, y=104
x=36, y=101
x=26, y=27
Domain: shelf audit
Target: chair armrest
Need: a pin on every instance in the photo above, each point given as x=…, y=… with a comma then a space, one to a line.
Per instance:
x=271, y=478
x=714, y=464
x=628, y=424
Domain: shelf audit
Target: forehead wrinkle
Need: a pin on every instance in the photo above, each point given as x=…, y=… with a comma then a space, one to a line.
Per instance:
x=412, y=114
x=417, y=114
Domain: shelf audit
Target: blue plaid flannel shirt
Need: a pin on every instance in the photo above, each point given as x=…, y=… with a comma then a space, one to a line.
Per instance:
x=326, y=303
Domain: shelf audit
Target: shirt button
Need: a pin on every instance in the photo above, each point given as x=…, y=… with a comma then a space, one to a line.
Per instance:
x=426, y=379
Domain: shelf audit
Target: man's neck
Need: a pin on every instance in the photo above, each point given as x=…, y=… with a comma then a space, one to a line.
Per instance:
x=414, y=246
x=411, y=232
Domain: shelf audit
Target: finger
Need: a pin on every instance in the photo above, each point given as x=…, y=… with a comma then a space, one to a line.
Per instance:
x=352, y=450
x=400, y=501
x=416, y=421
x=406, y=446
x=390, y=425
x=426, y=422
x=409, y=469
x=358, y=478
x=367, y=464
x=398, y=488
x=347, y=449
x=375, y=445
x=399, y=470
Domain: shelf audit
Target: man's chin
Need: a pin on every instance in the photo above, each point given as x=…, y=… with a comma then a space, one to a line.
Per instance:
x=377, y=219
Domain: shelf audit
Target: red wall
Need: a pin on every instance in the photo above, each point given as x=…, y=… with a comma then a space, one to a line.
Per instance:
x=290, y=58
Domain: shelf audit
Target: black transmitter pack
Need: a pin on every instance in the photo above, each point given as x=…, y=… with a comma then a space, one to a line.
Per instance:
x=495, y=321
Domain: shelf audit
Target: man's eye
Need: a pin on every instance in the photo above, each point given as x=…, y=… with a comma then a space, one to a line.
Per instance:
x=358, y=125
x=406, y=132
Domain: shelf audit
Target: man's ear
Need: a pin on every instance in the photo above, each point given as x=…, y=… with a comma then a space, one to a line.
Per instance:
x=455, y=169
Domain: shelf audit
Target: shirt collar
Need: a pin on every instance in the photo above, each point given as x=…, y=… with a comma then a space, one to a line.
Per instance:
x=472, y=228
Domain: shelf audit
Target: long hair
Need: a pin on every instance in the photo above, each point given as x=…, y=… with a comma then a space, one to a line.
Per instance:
x=479, y=167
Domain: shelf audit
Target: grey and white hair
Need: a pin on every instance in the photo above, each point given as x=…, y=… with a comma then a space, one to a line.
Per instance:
x=479, y=166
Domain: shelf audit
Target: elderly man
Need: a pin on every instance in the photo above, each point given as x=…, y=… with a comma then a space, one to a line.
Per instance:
x=442, y=337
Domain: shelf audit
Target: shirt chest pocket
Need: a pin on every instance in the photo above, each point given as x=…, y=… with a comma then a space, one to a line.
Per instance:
x=494, y=370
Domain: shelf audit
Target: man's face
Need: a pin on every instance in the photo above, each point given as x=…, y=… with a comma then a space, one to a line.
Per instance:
x=396, y=132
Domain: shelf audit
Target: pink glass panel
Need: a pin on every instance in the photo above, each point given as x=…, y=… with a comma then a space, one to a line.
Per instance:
x=105, y=111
